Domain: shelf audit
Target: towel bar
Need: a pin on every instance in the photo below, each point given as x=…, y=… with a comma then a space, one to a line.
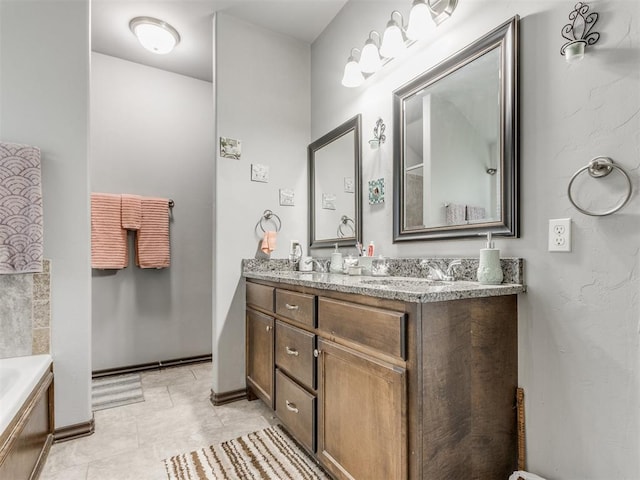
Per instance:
x=266, y=216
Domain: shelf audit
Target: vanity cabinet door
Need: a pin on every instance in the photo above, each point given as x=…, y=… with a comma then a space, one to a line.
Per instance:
x=362, y=431
x=260, y=344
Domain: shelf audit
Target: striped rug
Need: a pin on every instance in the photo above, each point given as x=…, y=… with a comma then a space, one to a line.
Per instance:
x=266, y=454
x=109, y=392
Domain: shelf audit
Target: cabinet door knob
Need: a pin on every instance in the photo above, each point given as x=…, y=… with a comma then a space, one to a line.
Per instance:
x=316, y=352
x=291, y=307
x=292, y=351
x=291, y=406
x=268, y=328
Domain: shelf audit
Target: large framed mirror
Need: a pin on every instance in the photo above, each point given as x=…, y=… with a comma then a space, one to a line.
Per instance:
x=456, y=144
x=335, y=184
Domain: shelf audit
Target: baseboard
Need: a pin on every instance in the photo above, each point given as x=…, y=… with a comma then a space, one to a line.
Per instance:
x=73, y=431
x=222, y=398
x=176, y=362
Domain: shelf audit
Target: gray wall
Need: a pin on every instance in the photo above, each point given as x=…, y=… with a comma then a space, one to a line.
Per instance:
x=44, y=98
x=152, y=135
x=579, y=354
x=262, y=98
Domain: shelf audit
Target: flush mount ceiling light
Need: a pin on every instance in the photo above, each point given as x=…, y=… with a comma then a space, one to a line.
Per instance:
x=396, y=38
x=154, y=35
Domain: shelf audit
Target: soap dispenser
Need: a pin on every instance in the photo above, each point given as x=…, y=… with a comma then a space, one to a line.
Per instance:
x=489, y=269
x=336, y=261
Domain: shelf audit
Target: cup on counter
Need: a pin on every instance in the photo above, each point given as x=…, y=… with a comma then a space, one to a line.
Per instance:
x=306, y=264
x=379, y=267
x=365, y=263
x=349, y=261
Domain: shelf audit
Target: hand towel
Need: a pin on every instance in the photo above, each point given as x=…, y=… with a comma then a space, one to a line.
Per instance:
x=131, y=211
x=475, y=213
x=152, y=240
x=21, y=231
x=108, y=238
x=268, y=242
x=455, y=214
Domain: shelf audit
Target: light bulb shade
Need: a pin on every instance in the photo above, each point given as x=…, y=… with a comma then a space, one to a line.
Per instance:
x=352, y=74
x=419, y=21
x=370, y=61
x=154, y=35
x=392, y=41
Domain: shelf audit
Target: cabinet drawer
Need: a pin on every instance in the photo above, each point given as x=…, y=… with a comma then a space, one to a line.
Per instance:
x=294, y=353
x=260, y=296
x=296, y=409
x=296, y=306
x=382, y=330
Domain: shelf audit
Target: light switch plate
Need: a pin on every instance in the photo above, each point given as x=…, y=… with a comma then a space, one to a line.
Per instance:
x=560, y=235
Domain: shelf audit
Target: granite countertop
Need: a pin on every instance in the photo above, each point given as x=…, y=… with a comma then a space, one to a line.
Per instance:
x=404, y=288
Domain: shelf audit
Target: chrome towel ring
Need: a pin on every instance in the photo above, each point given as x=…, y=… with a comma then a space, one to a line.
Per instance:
x=268, y=215
x=600, y=167
x=346, y=222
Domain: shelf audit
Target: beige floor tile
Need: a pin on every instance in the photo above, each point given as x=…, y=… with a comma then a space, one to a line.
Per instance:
x=243, y=409
x=155, y=399
x=167, y=376
x=136, y=465
x=194, y=392
x=73, y=473
x=203, y=371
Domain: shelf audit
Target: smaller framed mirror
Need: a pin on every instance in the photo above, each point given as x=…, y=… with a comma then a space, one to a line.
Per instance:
x=456, y=144
x=335, y=187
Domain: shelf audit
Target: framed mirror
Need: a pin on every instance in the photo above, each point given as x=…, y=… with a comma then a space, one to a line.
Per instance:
x=456, y=144
x=335, y=184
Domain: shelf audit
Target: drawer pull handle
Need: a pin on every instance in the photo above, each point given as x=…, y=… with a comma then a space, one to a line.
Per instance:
x=292, y=351
x=291, y=307
x=291, y=406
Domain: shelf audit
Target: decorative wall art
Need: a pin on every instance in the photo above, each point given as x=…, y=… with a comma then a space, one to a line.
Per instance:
x=328, y=201
x=287, y=197
x=230, y=148
x=376, y=191
x=348, y=185
x=259, y=173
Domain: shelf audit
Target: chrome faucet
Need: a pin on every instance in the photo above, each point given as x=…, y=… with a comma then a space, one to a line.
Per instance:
x=436, y=273
x=321, y=267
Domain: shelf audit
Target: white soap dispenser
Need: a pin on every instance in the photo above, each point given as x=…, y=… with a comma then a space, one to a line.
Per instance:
x=489, y=269
x=336, y=261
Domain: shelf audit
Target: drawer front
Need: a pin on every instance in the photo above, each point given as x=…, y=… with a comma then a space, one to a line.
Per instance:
x=382, y=330
x=294, y=353
x=296, y=408
x=296, y=306
x=260, y=296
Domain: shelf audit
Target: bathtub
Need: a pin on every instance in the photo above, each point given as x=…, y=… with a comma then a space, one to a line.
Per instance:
x=26, y=419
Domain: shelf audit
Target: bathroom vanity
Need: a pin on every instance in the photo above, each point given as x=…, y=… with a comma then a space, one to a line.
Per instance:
x=388, y=378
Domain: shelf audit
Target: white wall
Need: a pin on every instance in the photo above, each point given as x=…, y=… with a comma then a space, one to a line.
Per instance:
x=152, y=135
x=262, y=99
x=579, y=321
x=44, y=81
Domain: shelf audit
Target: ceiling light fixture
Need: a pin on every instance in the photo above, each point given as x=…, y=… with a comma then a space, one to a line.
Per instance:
x=155, y=35
x=396, y=38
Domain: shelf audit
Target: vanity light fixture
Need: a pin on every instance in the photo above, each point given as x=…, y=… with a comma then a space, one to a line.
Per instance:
x=397, y=38
x=393, y=38
x=352, y=74
x=579, y=33
x=370, y=61
x=155, y=35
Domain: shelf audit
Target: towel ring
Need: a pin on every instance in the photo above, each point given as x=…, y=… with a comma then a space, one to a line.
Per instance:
x=600, y=167
x=266, y=216
x=344, y=221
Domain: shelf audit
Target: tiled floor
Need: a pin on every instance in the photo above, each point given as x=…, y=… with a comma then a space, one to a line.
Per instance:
x=176, y=417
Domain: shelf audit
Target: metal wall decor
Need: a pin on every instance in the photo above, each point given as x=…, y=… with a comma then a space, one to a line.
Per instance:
x=600, y=167
x=378, y=134
x=579, y=32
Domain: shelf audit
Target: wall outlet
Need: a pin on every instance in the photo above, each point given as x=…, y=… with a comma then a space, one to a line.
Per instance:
x=294, y=246
x=560, y=235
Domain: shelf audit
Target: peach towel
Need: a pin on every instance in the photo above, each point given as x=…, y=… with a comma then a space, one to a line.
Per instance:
x=131, y=211
x=268, y=242
x=108, y=238
x=152, y=240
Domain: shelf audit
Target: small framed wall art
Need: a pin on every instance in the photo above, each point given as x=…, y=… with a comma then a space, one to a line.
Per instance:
x=376, y=191
x=230, y=148
x=259, y=173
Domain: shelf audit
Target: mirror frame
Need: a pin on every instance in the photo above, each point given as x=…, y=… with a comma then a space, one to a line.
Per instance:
x=353, y=124
x=504, y=37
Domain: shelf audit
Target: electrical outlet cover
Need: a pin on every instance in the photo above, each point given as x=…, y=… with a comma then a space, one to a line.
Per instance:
x=560, y=235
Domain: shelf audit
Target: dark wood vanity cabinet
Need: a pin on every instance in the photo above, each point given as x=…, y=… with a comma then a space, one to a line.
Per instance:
x=384, y=389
